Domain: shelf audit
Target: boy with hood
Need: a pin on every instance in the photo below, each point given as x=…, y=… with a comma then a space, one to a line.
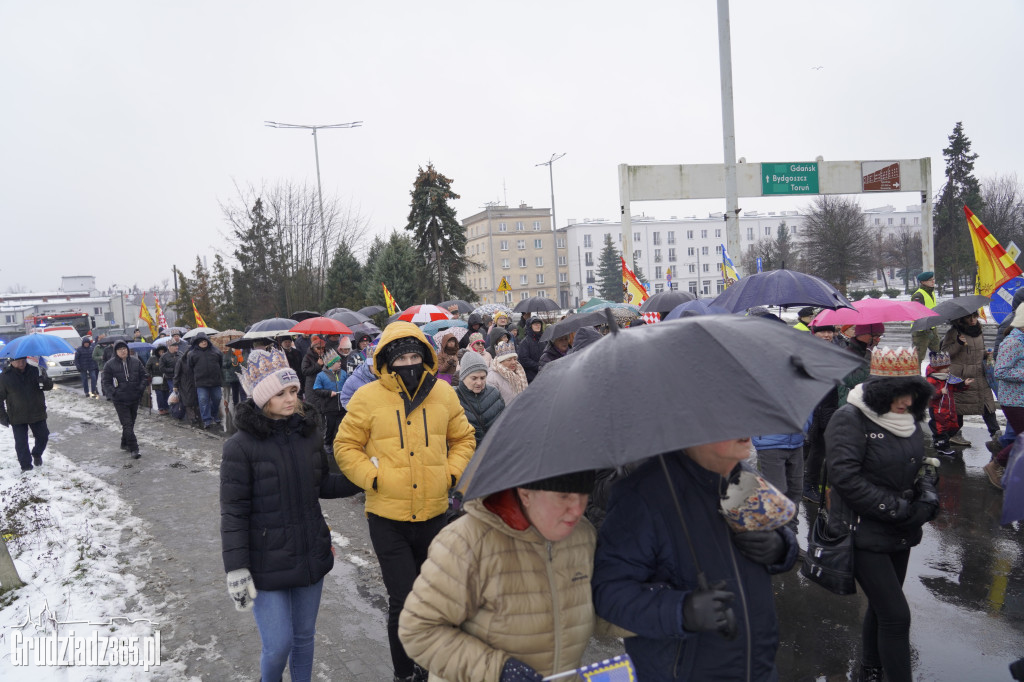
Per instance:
x=124, y=380
x=531, y=348
x=405, y=440
x=476, y=325
x=87, y=367
x=942, y=407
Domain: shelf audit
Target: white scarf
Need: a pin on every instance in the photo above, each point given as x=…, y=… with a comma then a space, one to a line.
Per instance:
x=901, y=425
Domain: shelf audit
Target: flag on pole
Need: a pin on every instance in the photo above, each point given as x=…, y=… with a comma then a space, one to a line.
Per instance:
x=728, y=271
x=200, y=322
x=161, y=320
x=995, y=266
x=632, y=291
x=389, y=301
x=147, y=318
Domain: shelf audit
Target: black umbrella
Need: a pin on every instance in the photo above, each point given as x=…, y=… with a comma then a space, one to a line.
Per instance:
x=371, y=310
x=301, y=315
x=349, y=318
x=273, y=324
x=952, y=309
x=665, y=302
x=574, y=323
x=111, y=338
x=657, y=389
x=367, y=328
x=536, y=304
x=456, y=306
x=783, y=288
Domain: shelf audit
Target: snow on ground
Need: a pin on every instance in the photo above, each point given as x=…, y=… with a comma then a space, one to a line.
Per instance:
x=81, y=551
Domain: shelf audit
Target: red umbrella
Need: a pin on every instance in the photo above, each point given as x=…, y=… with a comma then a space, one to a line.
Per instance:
x=320, y=325
x=421, y=314
x=874, y=311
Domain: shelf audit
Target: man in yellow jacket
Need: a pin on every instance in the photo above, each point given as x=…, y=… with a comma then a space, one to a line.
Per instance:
x=405, y=441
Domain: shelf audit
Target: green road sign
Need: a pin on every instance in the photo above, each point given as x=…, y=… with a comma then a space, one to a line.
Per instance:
x=789, y=178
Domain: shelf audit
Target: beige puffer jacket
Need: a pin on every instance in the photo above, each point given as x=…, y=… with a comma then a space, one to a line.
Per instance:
x=508, y=593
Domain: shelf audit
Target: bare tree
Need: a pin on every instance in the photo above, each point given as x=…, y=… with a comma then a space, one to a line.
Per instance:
x=1004, y=207
x=775, y=252
x=903, y=249
x=837, y=245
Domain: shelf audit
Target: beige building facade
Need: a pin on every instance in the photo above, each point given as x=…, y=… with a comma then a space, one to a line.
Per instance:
x=519, y=245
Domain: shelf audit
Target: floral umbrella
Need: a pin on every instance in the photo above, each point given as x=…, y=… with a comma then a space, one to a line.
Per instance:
x=491, y=308
x=441, y=336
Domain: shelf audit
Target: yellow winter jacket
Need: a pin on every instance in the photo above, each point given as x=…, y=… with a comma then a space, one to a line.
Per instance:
x=412, y=457
x=488, y=592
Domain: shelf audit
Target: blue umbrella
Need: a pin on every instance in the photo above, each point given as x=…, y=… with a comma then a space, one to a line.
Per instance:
x=437, y=325
x=698, y=307
x=35, y=344
x=783, y=288
x=140, y=345
x=1013, y=484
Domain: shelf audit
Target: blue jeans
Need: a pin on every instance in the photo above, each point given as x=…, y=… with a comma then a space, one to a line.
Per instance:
x=287, y=622
x=209, y=404
x=87, y=376
x=39, y=432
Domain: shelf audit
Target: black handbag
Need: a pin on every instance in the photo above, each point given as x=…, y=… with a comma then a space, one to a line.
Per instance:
x=829, y=559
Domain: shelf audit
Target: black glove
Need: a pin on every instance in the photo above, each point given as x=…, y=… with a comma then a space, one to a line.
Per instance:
x=921, y=512
x=708, y=610
x=761, y=546
x=926, y=490
x=515, y=670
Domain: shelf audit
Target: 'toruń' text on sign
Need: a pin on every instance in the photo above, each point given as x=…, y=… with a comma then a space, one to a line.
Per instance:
x=789, y=178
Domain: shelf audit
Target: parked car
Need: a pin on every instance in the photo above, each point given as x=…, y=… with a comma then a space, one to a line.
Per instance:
x=62, y=365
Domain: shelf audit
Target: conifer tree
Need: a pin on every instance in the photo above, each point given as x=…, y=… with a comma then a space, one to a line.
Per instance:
x=344, y=287
x=954, y=253
x=258, y=280
x=397, y=264
x=438, y=238
x=609, y=272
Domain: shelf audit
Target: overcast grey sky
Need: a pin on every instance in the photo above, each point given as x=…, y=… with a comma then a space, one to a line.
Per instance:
x=124, y=124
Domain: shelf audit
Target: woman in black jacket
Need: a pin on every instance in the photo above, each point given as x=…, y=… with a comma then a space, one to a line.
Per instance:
x=275, y=542
x=483, y=404
x=881, y=491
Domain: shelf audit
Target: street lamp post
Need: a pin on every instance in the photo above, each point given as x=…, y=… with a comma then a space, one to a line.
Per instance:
x=316, y=151
x=550, y=163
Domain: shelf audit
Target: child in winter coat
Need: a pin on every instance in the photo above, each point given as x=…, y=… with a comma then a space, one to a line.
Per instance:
x=942, y=408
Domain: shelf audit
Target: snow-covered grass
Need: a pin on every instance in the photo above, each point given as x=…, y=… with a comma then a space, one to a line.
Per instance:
x=82, y=554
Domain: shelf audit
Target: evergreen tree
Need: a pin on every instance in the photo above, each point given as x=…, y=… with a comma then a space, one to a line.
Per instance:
x=640, y=276
x=258, y=291
x=438, y=237
x=953, y=250
x=202, y=293
x=397, y=264
x=609, y=272
x=344, y=287
x=182, y=305
x=784, y=251
x=221, y=295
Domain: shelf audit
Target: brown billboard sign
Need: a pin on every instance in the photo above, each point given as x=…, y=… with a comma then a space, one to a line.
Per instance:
x=880, y=176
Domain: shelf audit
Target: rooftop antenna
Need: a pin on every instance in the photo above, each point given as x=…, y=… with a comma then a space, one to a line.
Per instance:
x=504, y=191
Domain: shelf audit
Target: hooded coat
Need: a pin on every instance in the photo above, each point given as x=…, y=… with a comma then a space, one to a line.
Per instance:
x=583, y=338
x=551, y=354
x=84, y=360
x=21, y=395
x=474, y=319
x=967, y=361
x=272, y=475
x=461, y=621
x=404, y=451
x=205, y=363
x=494, y=338
x=530, y=349
x=124, y=380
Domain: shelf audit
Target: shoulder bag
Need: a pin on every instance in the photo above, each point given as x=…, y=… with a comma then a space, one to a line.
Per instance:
x=829, y=558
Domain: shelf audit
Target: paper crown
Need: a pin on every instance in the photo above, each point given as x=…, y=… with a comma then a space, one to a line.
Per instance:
x=938, y=359
x=260, y=365
x=895, y=362
x=752, y=503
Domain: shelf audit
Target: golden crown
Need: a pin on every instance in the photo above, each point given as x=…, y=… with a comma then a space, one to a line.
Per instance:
x=895, y=362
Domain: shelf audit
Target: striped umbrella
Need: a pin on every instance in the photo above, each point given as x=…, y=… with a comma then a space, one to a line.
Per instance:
x=421, y=314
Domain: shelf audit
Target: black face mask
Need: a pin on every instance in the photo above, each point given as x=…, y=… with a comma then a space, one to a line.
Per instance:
x=410, y=376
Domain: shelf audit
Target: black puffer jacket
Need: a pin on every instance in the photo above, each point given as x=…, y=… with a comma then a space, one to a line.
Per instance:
x=124, y=380
x=205, y=363
x=530, y=349
x=167, y=362
x=481, y=408
x=84, y=360
x=872, y=471
x=272, y=476
x=21, y=395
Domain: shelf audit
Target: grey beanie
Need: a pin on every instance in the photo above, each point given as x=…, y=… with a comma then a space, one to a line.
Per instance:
x=471, y=362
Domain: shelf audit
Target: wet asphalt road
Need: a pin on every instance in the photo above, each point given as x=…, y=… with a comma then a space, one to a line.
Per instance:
x=965, y=583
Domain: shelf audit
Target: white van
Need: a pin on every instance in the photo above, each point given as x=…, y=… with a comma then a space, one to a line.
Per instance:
x=62, y=365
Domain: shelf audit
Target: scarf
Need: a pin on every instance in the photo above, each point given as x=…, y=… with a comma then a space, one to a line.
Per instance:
x=968, y=330
x=941, y=376
x=901, y=425
x=515, y=377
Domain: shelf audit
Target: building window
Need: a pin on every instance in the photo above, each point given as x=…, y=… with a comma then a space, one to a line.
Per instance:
x=703, y=234
x=674, y=286
x=706, y=267
x=590, y=276
x=718, y=233
x=563, y=277
x=502, y=227
x=689, y=235
x=95, y=311
x=878, y=221
x=536, y=226
x=538, y=243
x=671, y=255
x=504, y=264
x=916, y=219
x=657, y=255
x=690, y=251
x=750, y=234
x=522, y=262
x=638, y=254
x=793, y=229
x=657, y=272
x=890, y=221
x=671, y=237
x=588, y=258
x=903, y=221
x=539, y=261
x=587, y=244
x=521, y=244
x=656, y=237
x=542, y=293
x=504, y=245
x=692, y=287
x=720, y=286
x=540, y=278
x=519, y=226
x=707, y=286
x=704, y=250
x=523, y=280
x=693, y=268
x=560, y=243
x=658, y=287
x=636, y=237
x=718, y=249
x=562, y=260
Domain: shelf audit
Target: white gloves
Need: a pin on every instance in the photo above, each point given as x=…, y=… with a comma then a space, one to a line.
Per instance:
x=241, y=588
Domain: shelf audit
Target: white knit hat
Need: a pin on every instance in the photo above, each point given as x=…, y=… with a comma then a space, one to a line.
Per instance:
x=266, y=374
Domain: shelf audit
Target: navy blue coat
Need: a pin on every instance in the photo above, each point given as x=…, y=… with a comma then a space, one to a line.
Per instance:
x=84, y=361
x=643, y=571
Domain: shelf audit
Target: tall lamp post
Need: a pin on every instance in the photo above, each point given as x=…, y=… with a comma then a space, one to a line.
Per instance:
x=316, y=151
x=550, y=163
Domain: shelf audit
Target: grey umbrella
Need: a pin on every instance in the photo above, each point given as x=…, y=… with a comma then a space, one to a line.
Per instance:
x=574, y=323
x=349, y=318
x=781, y=287
x=952, y=309
x=456, y=306
x=665, y=301
x=371, y=310
x=657, y=389
x=536, y=304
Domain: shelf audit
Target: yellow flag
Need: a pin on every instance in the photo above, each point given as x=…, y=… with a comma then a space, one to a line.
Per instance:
x=389, y=301
x=632, y=291
x=147, y=318
x=995, y=267
x=200, y=322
